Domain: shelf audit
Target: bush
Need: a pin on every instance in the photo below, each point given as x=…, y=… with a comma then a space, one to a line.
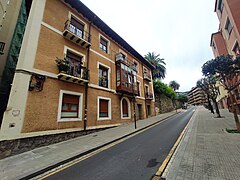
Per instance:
x=161, y=88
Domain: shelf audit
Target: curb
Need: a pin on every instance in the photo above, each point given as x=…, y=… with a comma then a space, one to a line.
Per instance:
x=39, y=172
x=159, y=174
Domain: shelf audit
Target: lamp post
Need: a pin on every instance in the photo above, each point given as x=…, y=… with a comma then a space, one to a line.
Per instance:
x=134, y=100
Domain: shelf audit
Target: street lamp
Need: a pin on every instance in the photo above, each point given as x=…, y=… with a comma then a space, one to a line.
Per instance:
x=134, y=99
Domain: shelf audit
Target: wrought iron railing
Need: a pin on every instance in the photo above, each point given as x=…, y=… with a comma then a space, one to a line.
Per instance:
x=66, y=66
x=149, y=95
x=85, y=35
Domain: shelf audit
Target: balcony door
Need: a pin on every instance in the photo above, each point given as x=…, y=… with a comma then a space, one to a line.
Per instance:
x=76, y=27
x=75, y=62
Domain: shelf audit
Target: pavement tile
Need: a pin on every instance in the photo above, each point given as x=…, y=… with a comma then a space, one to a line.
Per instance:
x=207, y=151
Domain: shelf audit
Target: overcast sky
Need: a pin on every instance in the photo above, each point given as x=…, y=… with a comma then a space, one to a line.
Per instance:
x=178, y=30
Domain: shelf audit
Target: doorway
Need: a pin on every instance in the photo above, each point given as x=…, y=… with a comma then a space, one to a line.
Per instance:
x=139, y=111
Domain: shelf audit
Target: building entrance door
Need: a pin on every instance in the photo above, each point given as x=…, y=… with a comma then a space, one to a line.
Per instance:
x=139, y=111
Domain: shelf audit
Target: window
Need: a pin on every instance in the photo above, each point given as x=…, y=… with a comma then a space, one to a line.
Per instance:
x=76, y=27
x=75, y=62
x=236, y=49
x=104, y=108
x=135, y=66
x=228, y=26
x=70, y=106
x=103, y=76
x=103, y=44
x=125, y=108
x=146, y=89
x=138, y=88
x=220, y=6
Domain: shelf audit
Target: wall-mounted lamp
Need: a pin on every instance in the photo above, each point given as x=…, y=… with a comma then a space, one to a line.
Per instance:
x=36, y=82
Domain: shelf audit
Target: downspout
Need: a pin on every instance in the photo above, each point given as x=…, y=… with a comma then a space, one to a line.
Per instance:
x=86, y=83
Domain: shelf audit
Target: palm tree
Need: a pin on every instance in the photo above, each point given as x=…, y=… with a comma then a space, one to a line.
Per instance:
x=174, y=85
x=155, y=60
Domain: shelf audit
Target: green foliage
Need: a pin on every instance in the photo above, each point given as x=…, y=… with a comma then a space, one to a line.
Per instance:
x=208, y=85
x=225, y=68
x=232, y=130
x=182, y=98
x=161, y=88
x=158, y=63
x=174, y=85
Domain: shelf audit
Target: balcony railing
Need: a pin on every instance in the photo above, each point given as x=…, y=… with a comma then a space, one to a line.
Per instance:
x=120, y=57
x=72, y=72
x=78, y=36
x=146, y=77
x=149, y=95
x=103, y=83
x=126, y=87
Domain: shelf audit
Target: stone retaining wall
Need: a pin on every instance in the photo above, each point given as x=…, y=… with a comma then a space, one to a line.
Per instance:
x=17, y=146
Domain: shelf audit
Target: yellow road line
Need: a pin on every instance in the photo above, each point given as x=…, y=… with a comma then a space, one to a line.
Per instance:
x=167, y=159
x=96, y=152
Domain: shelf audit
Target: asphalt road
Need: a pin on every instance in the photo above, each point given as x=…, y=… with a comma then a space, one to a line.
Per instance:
x=139, y=157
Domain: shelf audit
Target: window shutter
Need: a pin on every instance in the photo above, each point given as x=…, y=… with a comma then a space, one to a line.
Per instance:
x=77, y=24
x=70, y=99
x=73, y=56
x=103, y=106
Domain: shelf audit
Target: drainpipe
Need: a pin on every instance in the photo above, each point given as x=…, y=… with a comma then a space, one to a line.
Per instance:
x=86, y=83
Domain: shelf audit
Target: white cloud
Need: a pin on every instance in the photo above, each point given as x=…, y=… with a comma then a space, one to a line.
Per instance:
x=179, y=30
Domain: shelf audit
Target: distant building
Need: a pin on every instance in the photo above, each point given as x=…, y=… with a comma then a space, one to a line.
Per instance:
x=196, y=96
x=227, y=39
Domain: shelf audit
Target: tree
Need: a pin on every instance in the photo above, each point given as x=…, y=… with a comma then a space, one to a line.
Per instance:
x=226, y=69
x=161, y=88
x=182, y=98
x=174, y=85
x=208, y=85
x=158, y=63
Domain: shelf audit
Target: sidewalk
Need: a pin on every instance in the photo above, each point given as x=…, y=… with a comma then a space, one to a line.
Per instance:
x=41, y=159
x=207, y=151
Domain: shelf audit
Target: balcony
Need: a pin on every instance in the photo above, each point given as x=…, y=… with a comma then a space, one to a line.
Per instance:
x=82, y=38
x=149, y=96
x=146, y=77
x=127, y=88
x=72, y=72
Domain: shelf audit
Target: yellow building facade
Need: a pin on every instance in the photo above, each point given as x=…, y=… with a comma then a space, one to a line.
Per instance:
x=74, y=73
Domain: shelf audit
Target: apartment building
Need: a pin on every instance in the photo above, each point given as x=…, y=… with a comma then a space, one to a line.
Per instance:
x=227, y=39
x=74, y=73
x=196, y=97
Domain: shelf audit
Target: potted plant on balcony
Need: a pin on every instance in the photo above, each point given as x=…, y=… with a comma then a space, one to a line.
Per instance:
x=63, y=65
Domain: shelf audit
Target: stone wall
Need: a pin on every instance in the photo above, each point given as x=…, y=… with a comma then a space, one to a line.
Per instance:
x=17, y=146
x=163, y=103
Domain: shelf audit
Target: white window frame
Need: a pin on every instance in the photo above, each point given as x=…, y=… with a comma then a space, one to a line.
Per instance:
x=228, y=33
x=76, y=17
x=145, y=88
x=108, y=43
x=59, y=119
x=129, y=108
x=233, y=47
x=140, y=93
x=137, y=68
x=74, y=51
x=109, y=108
x=109, y=73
